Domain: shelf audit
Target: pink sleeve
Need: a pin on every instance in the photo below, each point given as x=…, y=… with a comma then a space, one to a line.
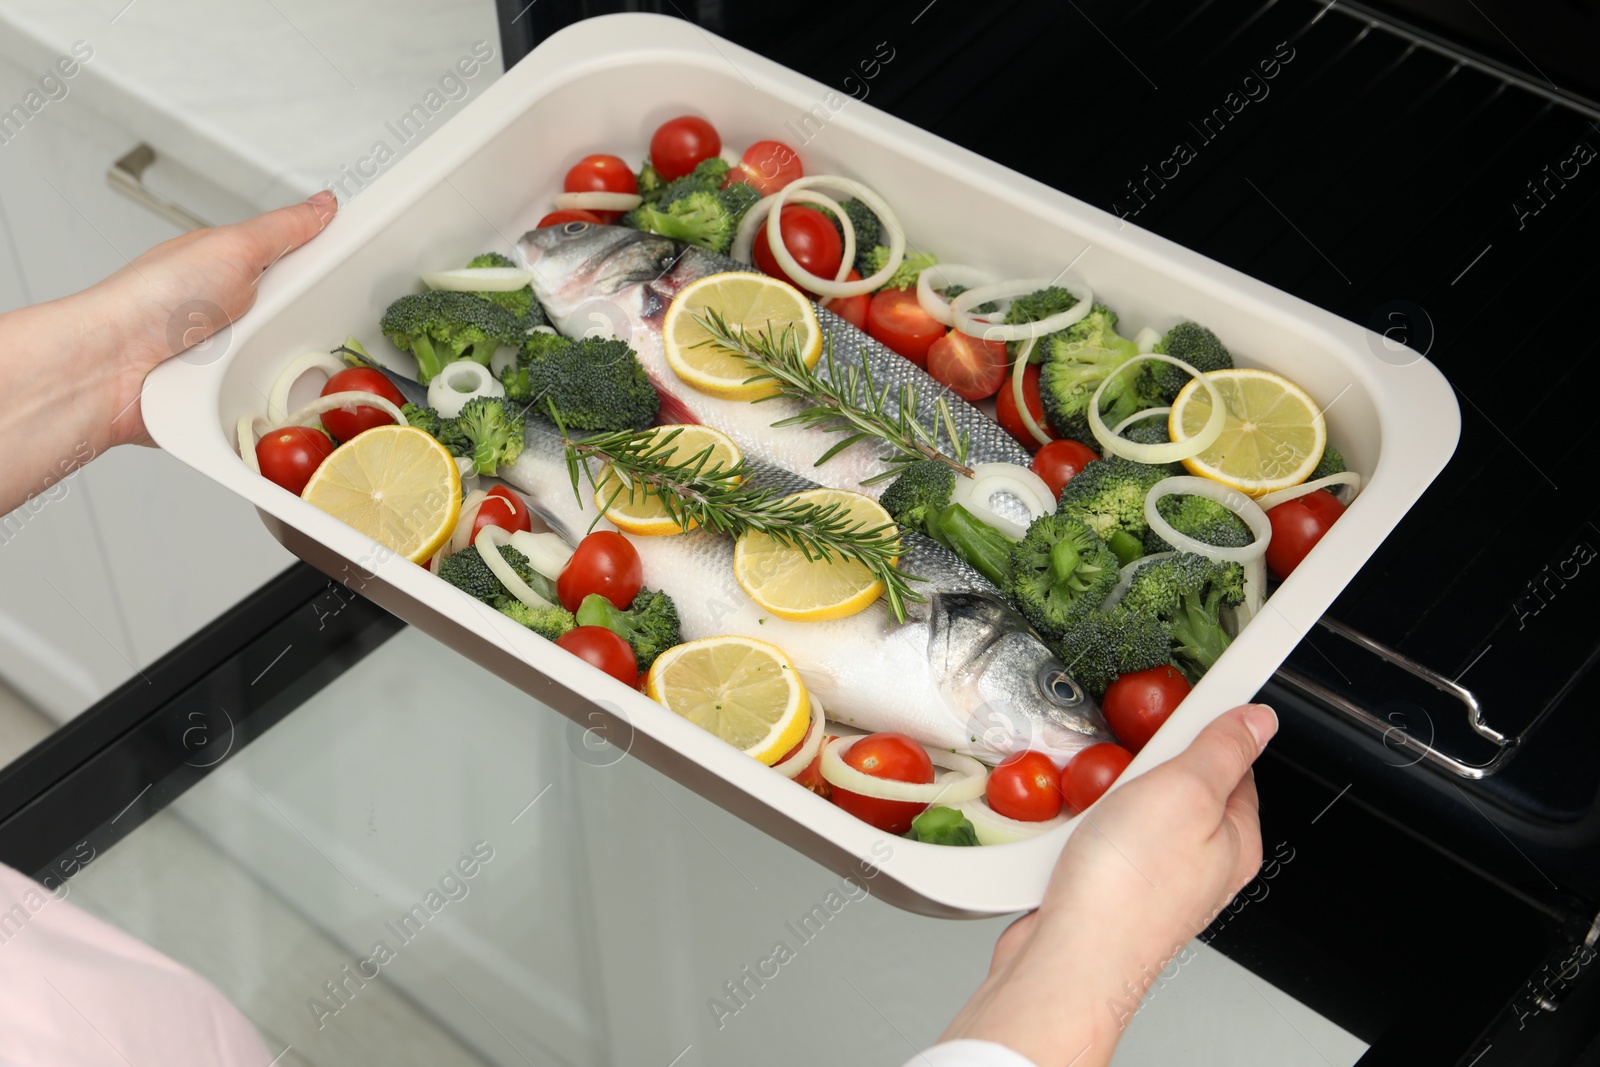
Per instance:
x=80, y=992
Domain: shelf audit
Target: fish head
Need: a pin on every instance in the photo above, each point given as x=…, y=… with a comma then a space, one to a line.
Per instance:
x=1014, y=692
x=602, y=281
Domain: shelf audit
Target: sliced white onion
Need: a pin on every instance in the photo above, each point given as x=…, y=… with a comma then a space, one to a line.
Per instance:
x=469, y=474
x=502, y=358
x=1019, y=371
x=1172, y=451
x=810, y=745
x=967, y=782
x=977, y=494
x=1255, y=591
x=993, y=828
x=1232, y=499
x=804, y=278
x=1125, y=578
x=943, y=276
x=346, y=400
x=488, y=543
x=458, y=383
x=1350, y=478
x=480, y=279
x=547, y=552
x=248, y=429
x=1139, y=416
x=597, y=202
x=961, y=309
x=461, y=536
x=278, y=397
x=1147, y=339
x=744, y=239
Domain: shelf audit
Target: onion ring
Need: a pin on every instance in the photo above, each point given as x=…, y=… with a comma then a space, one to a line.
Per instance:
x=1147, y=339
x=1172, y=451
x=993, y=828
x=744, y=240
x=949, y=274
x=1139, y=416
x=247, y=439
x=547, y=552
x=488, y=543
x=976, y=493
x=480, y=279
x=350, y=399
x=445, y=394
x=1232, y=499
x=1350, y=478
x=278, y=396
x=461, y=536
x=804, y=278
x=810, y=745
x=973, y=776
x=1019, y=371
x=961, y=310
x=597, y=201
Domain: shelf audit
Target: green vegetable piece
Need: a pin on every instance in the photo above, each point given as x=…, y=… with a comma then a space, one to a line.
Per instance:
x=1098, y=646
x=940, y=825
x=1126, y=546
x=467, y=571
x=1196, y=346
x=1109, y=493
x=1201, y=518
x=596, y=384
x=520, y=302
x=441, y=327
x=423, y=418
x=1332, y=462
x=1059, y=571
x=549, y=623
x=1187, y=593
x=650, y=625
x=919, y=493
x=1076, y=361
x=985, y=549
x=1033, y=307
x=488, y=431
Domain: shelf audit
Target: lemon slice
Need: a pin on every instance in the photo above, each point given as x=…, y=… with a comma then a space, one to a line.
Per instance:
x=1272, y=437
x=638, y=509
x=745, y=691
x=781, y=579
x=395, y=484
x=759, y=304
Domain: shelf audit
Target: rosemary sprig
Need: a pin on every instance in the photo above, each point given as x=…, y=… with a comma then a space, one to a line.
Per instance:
x=719, y=498
x=851, y=404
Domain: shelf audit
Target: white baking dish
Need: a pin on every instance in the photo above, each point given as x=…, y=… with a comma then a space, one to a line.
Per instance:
x=603, y=85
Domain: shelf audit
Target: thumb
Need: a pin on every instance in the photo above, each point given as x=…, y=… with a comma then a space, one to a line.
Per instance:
x=267, y=238
x=1221, y=755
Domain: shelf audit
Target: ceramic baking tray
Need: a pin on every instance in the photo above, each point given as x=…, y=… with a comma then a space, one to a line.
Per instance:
x=487, y=176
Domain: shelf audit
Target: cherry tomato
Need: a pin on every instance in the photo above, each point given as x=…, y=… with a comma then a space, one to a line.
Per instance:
x=768, y=166
x=345, y=424
x=604, y=649
x=810, y=239
x=852, y=309
x=896, y=319
x=681, y=143
x=972, y=367
x=571, y=214
x=1137, y=704
x=504, y=509
x=1026, y=787
x=1090, y=773
x=601, y=174
x=1010, y=420
x=1297, y=525
x=811, y=775
x=289, y=456
x=605, y=563
x=886, y=755
x=1058, y=461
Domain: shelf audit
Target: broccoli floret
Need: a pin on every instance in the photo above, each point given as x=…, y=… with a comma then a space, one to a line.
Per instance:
x=596, y=384
x=488, y=431
x=491, y=261
x=868, y=230
x=707, y=176
x=651, y=184
x=519, y=302
x=537, y=345
x=1109, y=493
x=1196, y=346
x=905, y=275
x=1039, y=304
x=548, y=622
x=1101, y=645
x=950, y=292
x=1187, y=593
x=1076, y=361
x=940, y=825
x=467, y=571
x=650, y=625
x=701, y=218
x=425, y=419
x=1332, y=462
x=1201, y=518
x=441, y=327
x=1060, y=570
x=921, y=491
x=919, y=499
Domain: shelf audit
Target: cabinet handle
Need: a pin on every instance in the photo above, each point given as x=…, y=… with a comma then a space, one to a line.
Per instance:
x=126, y=176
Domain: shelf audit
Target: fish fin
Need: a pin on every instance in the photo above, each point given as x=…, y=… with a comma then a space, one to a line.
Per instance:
x=673, y=411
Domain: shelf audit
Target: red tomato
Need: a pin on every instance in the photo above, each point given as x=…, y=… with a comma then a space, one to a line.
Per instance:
x=681, y=143
x=810, y=239
x=886, y=755
x=504, y=509
x=571, y=214
x=1058, y=461
x=1137, y=704
x=1297, y=525
x=1010, y=420
x=896, y=319
x=291, y=455
x=971, y=366
x=852, y=309
x=345, y=424
x=768, y=166
x=601, y=174
x=1090, y=773
x=605, y=563
x=604, y=649
x=1026, y=787
x=811, y=775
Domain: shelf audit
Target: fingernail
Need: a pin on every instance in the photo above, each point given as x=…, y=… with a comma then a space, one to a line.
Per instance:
x=325, y=204
x=1262, y=721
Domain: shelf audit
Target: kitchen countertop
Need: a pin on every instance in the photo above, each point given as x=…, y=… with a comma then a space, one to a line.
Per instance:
x=317, y=87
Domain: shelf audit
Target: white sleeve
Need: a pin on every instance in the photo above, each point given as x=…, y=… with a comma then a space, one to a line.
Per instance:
x=970, y=1054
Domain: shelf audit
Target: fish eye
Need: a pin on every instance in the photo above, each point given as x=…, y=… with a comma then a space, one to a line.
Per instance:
x=573, y=229
x=1060, y=687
